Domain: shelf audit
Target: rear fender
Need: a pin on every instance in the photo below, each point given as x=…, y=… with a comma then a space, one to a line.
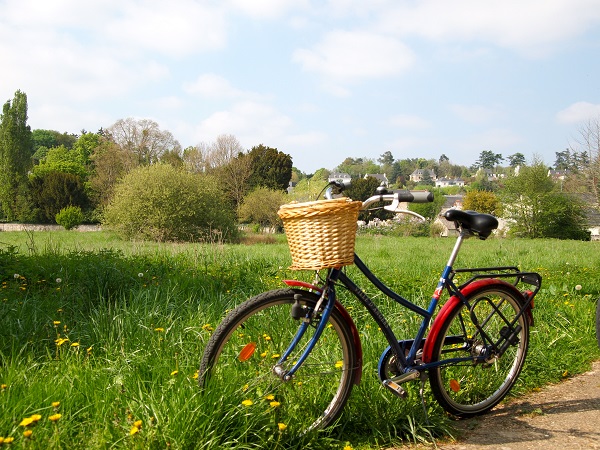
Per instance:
x=455, y=302
x=347, y=318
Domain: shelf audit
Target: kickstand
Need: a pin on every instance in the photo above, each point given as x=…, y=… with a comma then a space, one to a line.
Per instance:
x=422, y=395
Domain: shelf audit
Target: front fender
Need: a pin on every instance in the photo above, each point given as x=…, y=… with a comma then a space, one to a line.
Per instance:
x=455, y=302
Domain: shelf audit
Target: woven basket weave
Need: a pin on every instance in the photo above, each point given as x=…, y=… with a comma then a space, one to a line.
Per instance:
x=321, y=234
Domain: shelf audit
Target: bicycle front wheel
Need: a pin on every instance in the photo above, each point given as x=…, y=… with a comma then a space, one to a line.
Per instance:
x=476, y=385
x=237, y=367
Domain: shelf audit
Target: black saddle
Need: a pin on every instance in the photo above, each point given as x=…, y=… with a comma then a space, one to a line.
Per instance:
x=479, y=223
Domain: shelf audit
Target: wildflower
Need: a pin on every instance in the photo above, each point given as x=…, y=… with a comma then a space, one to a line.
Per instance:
x=16, y=276
x=54, y=417
x=348, y=447
x=61, y=341
x=1, y=440
x=141, y=275
x=207, y=327
x=56, y=323
x=275, y=355
x=137, y=423
x=58, y=280
x=8, y=440
x=263, y=354
x=247, y=402
x=159, y=329
x=134, y=430
x=3, y=386
x=196, y=375
x=35, y=417
x=270, y=397
x=175, y=372
x=267, y=337
x=27, y=433
x=26, y=422
x=55, y=404
x=339, y=364
x=274, y=404
x=75, y=344
x=281, y=426
x=578, y=287
x=89, y=350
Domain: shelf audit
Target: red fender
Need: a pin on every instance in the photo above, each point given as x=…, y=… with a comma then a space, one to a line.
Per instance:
x=452, y=303
x=346, y=315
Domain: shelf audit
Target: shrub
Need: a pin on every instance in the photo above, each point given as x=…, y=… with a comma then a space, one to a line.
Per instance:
x=69, y=217
x=260, y=206
x=164, y=203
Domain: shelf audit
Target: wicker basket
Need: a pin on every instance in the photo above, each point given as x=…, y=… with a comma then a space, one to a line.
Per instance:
x=321, y=234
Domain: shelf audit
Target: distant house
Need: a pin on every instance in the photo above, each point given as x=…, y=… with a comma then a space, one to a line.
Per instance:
x=383, y=179
x=558, y=174
x=489, y=174
x=342, y=177
x=446, y=182
x=419, y=174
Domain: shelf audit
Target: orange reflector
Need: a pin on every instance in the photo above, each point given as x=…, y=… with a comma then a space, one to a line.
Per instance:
x=454, y=385
x=247, y=351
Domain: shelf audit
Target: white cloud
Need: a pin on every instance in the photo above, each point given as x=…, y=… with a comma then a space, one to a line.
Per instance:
x=354, y=55
x=516, y=24
x=475, y=114
x=578, y=112
x=268, y=9
x=409, y=121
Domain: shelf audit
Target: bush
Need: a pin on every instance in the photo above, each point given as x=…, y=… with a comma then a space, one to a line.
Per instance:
x=164, y=203
x=261, y=205
x=69, y=217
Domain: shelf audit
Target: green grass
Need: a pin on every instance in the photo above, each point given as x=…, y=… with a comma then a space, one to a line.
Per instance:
x=137, y=317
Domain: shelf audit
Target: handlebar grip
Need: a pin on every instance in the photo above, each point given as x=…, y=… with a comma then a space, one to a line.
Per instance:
x=415, y=196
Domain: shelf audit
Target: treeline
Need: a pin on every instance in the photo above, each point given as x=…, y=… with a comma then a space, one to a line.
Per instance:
x=136, y=178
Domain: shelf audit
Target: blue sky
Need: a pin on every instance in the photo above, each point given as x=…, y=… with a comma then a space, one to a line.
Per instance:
x=319, y=80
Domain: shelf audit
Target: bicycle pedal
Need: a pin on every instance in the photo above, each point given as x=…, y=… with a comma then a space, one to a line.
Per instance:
x=395, y=388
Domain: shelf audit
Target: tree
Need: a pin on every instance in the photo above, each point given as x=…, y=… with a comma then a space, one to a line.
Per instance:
x=518, y=159
x=143, y=138
x=536, y=208
x=363, y=188
x=386, y=159
x=261, y=205
x=270, y=168
x=488, y=160
x=61, y=159
x=164, y=203
x=482, y=201
x=53, y=191
x=16, y=150
x=589, y=143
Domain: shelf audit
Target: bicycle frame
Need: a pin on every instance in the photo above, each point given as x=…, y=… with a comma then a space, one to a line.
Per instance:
x=408, y=364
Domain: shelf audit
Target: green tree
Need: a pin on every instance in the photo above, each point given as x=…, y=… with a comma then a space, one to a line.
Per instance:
x=61, y=159
x=429, y=210
x=488, y=160
x=363, y=188
x=16, y=150
x=261, y=205
x=53, y=191
x=164, y=203
x=482, y=201
x=518, y=159
x=535, y=207
x=270, y=168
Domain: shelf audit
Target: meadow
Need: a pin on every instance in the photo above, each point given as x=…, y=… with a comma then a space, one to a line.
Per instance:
x=100, y=339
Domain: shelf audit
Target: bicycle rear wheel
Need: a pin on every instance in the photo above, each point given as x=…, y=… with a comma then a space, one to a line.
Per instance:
x=237, y=366
x=475, y=386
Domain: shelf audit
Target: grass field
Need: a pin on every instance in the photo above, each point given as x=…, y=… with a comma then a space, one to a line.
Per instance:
x=100, y=339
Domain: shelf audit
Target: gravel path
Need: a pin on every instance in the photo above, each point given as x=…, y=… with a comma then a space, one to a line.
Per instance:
x=561, y=416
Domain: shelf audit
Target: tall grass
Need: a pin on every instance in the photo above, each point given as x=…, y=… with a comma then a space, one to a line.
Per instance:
x=113, y=331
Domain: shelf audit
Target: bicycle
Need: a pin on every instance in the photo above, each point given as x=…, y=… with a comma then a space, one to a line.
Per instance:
x=298, y=349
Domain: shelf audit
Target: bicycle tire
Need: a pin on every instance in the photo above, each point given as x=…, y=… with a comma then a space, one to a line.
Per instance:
x=263, y=328
x=470, y=388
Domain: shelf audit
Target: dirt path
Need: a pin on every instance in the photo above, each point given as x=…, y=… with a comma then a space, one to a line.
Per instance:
x=561, y=416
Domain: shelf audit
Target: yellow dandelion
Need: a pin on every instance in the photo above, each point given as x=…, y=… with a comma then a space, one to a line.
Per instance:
x=263, y=354
x=245, y=388
x=159, y=329
x=275, y=355
x=247, y=402
x=27, y=433
x=3, y=386
x=35, y=417
x=281, y=426
x=270, y=397
x=8, y=440
x=339, y=364
x=56, y=322
x=175, y=372
x=195, y=376
x=26, y=422
x=1, y=440
x=348, y=447
x=274, y=404
x=54, y=417
x=134, y=430
x=55, y=404
x=207, y=327
x=75, y=344
x=266, y=337
x=89, y=350
x=61, y=341
x=137, y=423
